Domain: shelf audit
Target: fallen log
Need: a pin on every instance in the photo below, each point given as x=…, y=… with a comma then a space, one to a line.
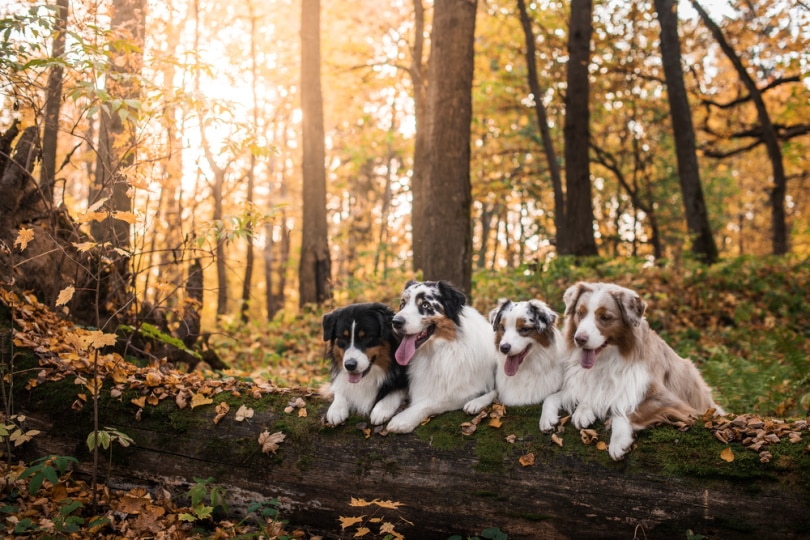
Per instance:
x=447, y=482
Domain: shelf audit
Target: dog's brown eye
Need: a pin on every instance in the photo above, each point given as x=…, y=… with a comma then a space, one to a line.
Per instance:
x=524, y=331
x=501, y=328
x=606, y=318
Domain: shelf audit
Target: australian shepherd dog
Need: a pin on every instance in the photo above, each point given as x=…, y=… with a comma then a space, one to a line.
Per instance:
x=530, y=345
x=618, y=369
x=447, y=346
x=365, y=378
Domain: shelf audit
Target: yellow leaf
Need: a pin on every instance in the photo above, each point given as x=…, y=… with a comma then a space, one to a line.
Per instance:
x=84, y=246
x=153, y=379
x=727, y=454
x=87, y=217
x=495, y=422
x=556, y=440
x=387, y=504
x=97, y=204
x=601, y=446
x=140, y=402
x=153, y=400
x=65, y=295
x=526, y=460
x=198, y=400
x=23, y=237
x=128, y=217
x=97, y=339
x=362, y=531
x=349, y=521
x=360, y=502
x=302, y=413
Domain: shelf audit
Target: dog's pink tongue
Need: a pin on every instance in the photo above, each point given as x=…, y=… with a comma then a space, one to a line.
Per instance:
x=406, y=350
x=512, y=364
x=355, y=377
x=588, y=358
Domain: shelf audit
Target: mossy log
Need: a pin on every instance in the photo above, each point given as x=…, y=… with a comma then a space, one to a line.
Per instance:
x=448, y=483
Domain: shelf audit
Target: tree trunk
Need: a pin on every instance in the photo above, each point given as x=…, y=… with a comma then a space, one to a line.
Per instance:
x=251, y=175
x=542, y=121
x=447, y=483
x=578, y=238
x=446, y=192
x=53, y=102
x=769, y=136
x=421, y=157
x=117, y=142
x=314, y=271
x=697, y=217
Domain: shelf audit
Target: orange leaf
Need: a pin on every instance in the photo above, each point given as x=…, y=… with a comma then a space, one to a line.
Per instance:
x=362, y=531
x=601, y=445
x=23, y=237
x=140, y=402
x=198, y=400
x=727, y=454
x=495, y=422
x=128, y=217
x=65, y=295
x=527, y=460
x=349, y=521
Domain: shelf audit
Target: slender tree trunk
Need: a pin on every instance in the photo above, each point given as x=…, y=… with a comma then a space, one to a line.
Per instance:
x=251, y=175
x=447, y=192
x=382, y=240
x=578, y=238
x=697, y=217
x=314, y=272
x=420, y=150
x=53, y=102
x=542, y=121
x=769, y=136
x=117, y=140
x=222, y=276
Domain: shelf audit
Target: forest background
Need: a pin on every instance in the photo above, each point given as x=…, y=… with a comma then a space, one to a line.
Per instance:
x=178, y=145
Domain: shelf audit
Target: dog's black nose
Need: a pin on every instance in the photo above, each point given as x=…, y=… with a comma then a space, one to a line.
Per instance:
x=505, y=348
x=581, y=339
x=398, y=322
x=350, y=364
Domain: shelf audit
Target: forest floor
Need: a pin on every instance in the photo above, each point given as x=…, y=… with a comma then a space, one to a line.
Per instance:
x=745, y=323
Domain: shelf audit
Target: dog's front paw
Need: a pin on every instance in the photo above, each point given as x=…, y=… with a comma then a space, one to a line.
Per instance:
x=404, y=422
x=619, y=448
x=381, y=413
x=475, y=406
x=548, y=422
x=583, y=417
x=336, y=415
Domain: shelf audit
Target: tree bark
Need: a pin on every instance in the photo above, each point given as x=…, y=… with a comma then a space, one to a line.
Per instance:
x=779, y=238
x=53, y=102
x=542, y=121
x=697, y=217
x=446, y=191
x=421, y=158
x=447, y=482
x=314, y=271
x=578, y=238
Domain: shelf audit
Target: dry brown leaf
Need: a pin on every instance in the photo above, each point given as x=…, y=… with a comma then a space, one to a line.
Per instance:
x=727, y=454
x=140, y=402
x=495, y=422
x=349, y=521
x=601, y=446
x=23, y=237
x=221, y=410
x=269, y=443
x=556, y=440
x=527, y=459
x=243, y=413
x=199, y=399
x=362, y=531
x=511, y=438
x=65, y=295
x=588, y=436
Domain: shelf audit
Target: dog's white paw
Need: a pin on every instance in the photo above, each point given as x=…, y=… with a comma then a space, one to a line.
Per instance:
x=475, y=406
x=336, y=415
x=548, y=422
x=404, y=422
x=621, y=437
x=382, y=412
x=583, y=417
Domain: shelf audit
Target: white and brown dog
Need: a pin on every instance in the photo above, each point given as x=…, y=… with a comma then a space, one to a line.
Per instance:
x=447, y=346
x=619, y=369
x=527, y=337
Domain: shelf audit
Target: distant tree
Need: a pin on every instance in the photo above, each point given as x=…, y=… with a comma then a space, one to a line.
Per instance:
x=542, y=119
x=768, y=135
x=697, y=217
x=117, y=142
x=420, y=146
x=577, y=237
x=445, y=239
x=53, y=102
x=314, y=271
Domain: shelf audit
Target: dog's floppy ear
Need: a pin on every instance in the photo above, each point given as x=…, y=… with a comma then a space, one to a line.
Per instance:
x=572, y=294
x=330, y=325
x=384, y=316
x=630, y=304
x=452, y=299
x=496, y=314
x=544, y=317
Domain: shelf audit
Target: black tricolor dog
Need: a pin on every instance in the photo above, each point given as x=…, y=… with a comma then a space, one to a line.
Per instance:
x=365, y=377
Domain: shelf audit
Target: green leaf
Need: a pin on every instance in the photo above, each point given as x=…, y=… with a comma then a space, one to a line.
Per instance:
x=187, y=517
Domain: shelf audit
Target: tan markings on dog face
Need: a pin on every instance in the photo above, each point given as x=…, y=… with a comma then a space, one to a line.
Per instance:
x=612, y=325
x=528, y=329
x=347, y=334
x=445, y=328
x=499, y=335
x=579, y=311
x=361, y=334
x=380, y=356
x=337, y=354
